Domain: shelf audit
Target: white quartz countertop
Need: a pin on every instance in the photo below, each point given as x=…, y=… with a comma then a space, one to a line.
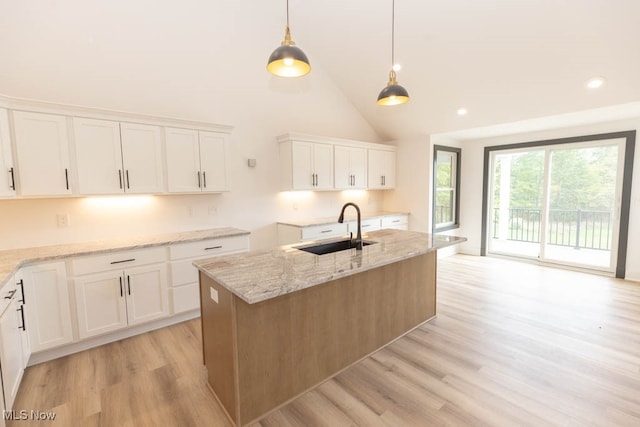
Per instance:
x=349, y=216
x=260, y=275
x=11, y=260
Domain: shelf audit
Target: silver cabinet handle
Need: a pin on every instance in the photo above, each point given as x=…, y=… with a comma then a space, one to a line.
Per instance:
x=127, y=174
x=120, y=177
x=204, y=179
x=199, y=182
x=326, y=231
x=213, y=247
x=11, y=294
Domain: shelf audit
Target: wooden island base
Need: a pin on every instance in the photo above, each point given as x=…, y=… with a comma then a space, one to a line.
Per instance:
x=260, y=356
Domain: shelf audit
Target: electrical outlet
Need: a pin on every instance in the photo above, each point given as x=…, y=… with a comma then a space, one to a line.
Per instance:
x=63, y=220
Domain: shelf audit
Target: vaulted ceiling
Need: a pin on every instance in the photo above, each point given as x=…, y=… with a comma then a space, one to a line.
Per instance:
x=503, y=60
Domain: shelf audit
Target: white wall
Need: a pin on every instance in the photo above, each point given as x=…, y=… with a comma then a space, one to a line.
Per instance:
x=472, y=179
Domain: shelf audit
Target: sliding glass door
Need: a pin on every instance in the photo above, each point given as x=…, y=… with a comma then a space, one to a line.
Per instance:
x=558, y=203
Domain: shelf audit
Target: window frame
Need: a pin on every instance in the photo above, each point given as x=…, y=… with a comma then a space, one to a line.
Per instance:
x=456, y=189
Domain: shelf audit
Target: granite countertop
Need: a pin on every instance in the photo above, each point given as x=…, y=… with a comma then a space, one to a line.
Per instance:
x=11, y=260
x=349, y=216
x=260, y=275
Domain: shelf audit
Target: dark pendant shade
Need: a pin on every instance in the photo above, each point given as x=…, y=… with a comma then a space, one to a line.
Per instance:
x=288, y=61
x=393, y=93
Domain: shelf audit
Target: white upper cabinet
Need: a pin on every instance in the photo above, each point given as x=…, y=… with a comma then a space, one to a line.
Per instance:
x=350, y=167
x=42, y=154
x=7, y=172
x=142, y=158
x=196, y=161
x=98, y=156
x=114, y=157
x=306, y=165
x=382, y=169
x=214, y=161
x=309, y=162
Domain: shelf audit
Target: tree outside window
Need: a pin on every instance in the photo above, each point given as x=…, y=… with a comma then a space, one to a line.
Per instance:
x=446, y=188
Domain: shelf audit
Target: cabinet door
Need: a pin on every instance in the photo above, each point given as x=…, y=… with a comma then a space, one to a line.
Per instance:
x=358, y=167
x=350, y=167
x=24, y=337
x=389, y=169
x=142, y=158
x=323, y=166
x=214, y=161
x=100, y=303
x=342, y=172
x=98, y=156
x=10, y=352
x=7, y=172
x=47, y=305
x=183, y=161
x=382, y=169
x=302, y=165
x=146, y=289
x=42, y=151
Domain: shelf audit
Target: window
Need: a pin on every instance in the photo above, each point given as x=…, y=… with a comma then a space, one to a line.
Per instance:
x=446, y=188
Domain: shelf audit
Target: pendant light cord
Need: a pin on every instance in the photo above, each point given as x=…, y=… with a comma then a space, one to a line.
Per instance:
x=287, y=13
x=393, y=31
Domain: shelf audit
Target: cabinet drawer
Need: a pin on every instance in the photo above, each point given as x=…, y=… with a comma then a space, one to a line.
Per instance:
x=185, y=298
x=209, y=247
x=394, y=221
x=183, y=272
x=317, y=232
x=117, y=260
x=367, y=225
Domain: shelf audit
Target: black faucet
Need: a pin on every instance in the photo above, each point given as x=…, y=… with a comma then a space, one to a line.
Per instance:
x=341, y=219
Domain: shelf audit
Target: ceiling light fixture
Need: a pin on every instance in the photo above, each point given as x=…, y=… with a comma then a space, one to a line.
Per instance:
x=288, y=60
x=393, y=93
x=462, y=111
x=595, y=82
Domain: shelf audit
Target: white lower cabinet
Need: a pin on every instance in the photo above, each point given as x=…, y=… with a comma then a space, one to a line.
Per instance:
x=11, y=364
x=47, y=313
x=184, y=290
x=115, y=299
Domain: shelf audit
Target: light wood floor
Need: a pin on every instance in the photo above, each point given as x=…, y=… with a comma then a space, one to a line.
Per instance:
x=513, y=344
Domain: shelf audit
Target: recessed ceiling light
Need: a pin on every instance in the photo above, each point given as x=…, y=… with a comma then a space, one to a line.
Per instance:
x=595, y=82
x=397, y=67
x=462, y=111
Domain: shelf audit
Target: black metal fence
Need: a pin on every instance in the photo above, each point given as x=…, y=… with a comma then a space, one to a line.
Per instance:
x=577, y=228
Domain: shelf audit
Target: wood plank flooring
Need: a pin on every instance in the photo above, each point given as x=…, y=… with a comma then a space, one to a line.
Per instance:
x=513, y=345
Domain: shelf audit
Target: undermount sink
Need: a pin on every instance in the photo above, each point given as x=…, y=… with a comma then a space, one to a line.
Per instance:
x=331, y=247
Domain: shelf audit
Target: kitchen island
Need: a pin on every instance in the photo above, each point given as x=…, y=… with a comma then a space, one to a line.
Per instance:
x=276, y=323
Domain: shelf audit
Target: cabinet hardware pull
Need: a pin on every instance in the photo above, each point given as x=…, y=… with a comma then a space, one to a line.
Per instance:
x=326, y=231
x=21, y=283
x=13, y=180
x=11, y=294
x=66, y=177
x=21, y=310
x=212, y=247
x=366, y=225
x=120, y=177
x=129, y=285
x=120, y=262
x=121, y=293
x=204, y=178
x=396, y=220
x=127, y=174
x=384, y=180
x=199, y=182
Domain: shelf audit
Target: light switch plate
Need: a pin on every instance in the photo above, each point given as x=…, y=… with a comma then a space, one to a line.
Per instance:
x=214, y=294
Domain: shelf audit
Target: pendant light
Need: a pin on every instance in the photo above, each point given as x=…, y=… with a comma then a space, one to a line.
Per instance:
x=393, y=93
x=288, y=60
